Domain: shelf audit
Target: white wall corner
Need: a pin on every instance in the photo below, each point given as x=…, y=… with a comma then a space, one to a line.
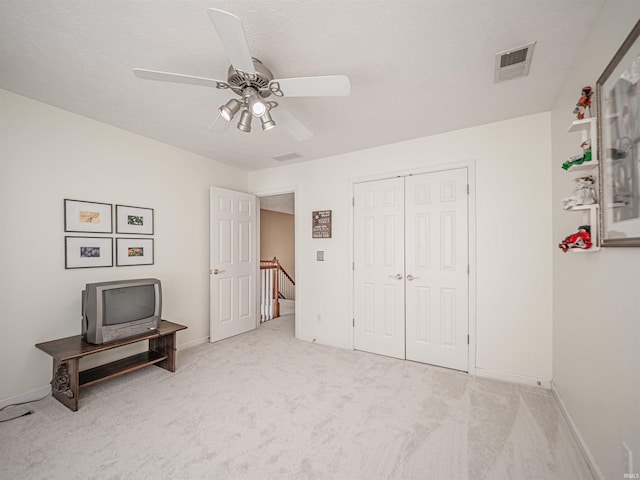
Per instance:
x=591, y=461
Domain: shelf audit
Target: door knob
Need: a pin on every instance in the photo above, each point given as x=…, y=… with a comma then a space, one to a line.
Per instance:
x=411, y=277
x=216, y=271
x=397, y=276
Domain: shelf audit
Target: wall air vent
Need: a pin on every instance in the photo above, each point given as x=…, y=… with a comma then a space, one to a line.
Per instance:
x=513, y=63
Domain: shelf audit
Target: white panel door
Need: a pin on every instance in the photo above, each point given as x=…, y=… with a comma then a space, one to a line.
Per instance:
x=379, y=267
x=233, y=263
x=437, y=281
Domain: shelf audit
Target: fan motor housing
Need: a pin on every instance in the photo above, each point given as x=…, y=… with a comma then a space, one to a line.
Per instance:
x=238, y=81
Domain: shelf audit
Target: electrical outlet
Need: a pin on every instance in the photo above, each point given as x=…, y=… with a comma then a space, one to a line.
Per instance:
x=627, y=459
x=320, y=256
x=319, y=318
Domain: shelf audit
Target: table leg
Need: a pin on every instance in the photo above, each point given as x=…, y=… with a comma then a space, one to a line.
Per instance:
x=64, y=383
x=165, y=345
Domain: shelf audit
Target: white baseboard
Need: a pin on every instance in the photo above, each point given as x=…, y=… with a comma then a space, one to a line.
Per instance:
x=593, y=466
x=30, y=396
x=513, y=378
x=324, y=341
x=193, y=343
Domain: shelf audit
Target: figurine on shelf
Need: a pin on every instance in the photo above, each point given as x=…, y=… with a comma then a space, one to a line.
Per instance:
x=584, y=194
x=584, y=102
x=579, y=159
x=580, y=239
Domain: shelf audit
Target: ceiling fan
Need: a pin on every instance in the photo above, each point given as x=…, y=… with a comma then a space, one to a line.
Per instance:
x=253, y=82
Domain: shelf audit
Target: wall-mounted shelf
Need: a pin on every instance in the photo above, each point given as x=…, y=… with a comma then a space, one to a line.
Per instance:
x=592, y=211
x=587, y=128
x=587, y=125
x=583, y=167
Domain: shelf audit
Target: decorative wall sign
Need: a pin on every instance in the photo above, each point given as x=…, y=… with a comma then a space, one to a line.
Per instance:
x=136, y=220
x=321, y=224
x=88, y=252
x=134, y=251
x=90, y=217
x=618, y=97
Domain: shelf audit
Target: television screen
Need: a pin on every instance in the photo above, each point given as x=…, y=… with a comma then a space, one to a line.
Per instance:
x=122, y=305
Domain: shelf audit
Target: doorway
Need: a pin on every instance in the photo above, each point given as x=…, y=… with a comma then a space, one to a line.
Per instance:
x=411, y=267
x=277, y=255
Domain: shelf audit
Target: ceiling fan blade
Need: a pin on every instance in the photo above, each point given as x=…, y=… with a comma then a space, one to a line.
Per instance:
x=234, y=41
x=178, y=78
x=328, y=86
x=285, y=119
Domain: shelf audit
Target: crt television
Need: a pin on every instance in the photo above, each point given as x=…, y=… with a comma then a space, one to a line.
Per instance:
x=120, y=309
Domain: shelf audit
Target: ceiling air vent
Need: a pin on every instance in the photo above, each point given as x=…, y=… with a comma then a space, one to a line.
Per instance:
x=513, y=63
x=287, y=157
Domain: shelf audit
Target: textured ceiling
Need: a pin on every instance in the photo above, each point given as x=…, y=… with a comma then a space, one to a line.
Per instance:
x=283, y=203
x=417, y=67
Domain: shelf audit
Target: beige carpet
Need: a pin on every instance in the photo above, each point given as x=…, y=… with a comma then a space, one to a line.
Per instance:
x=266, y=406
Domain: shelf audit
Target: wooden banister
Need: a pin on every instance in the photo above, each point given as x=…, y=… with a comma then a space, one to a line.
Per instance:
x=279, y=279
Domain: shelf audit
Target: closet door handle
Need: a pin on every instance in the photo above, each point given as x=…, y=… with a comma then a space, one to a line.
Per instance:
x=411, y=277
x=397, y=276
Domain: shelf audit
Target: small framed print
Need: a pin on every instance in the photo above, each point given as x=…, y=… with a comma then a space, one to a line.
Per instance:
x=87, y=217
x=134, y=251
x=88, y=252
x=136, y=220
x=321, y=224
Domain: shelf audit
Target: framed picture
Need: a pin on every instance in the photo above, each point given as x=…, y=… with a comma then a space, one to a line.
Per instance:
x=89, y=217
x=134, y=251
x=88, y=252
x=321, y=224
x=135, y=220
x=618, y=100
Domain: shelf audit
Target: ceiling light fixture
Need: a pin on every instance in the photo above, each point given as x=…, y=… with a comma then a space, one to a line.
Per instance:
x=245, y=121
x=267, y=121
x=230, y=109
x=255, y=104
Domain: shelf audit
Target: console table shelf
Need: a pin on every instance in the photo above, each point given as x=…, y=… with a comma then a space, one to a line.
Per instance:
x=119, y=367
x=67, y=352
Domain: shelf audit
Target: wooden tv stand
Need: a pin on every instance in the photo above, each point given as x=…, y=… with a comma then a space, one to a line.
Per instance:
x=67, y=352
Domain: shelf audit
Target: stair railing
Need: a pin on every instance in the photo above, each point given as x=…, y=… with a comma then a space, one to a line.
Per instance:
x=275, y=283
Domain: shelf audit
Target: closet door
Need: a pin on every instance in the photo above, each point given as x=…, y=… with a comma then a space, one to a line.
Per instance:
x=379, y=267
x=437, y=279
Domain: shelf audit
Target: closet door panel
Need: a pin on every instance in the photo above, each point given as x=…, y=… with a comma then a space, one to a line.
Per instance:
x=436, y=267
x=379, y=267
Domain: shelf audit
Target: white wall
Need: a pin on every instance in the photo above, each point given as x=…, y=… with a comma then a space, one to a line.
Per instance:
x=596, y=334
x=47, y=155
x=513, y=230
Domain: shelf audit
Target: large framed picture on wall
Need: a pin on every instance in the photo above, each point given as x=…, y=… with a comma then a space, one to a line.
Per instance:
x=618, y=101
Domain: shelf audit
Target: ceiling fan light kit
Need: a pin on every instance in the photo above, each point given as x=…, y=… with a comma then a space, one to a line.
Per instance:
x=256, y=106
x=267, y=121
x=244, y=124
x=253, y=106
x=230, y=109
x=252, y=81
